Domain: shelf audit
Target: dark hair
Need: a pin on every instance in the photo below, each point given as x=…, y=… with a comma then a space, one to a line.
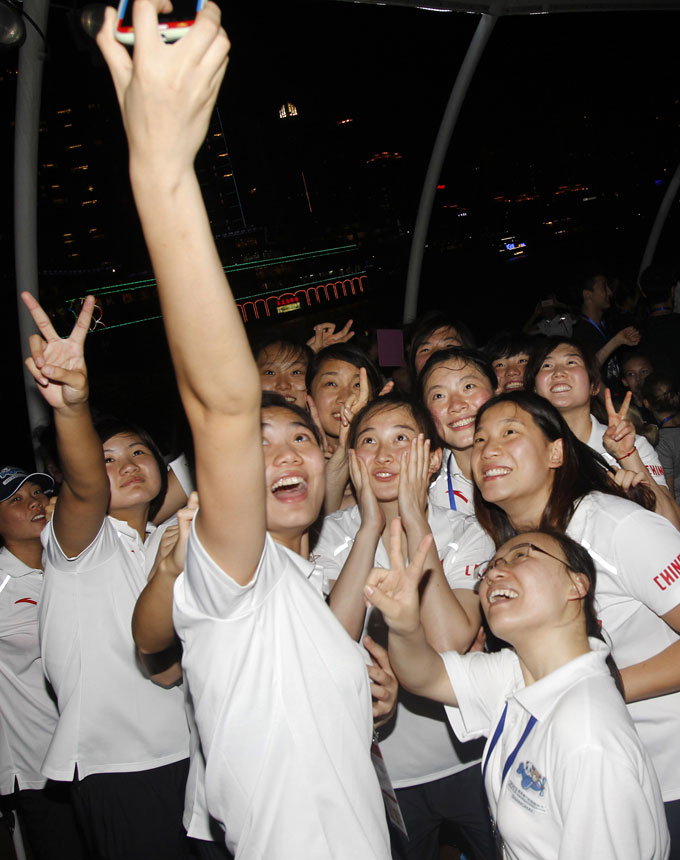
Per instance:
x=271, y=400
x=659, y=390
x=657, y=281
x=395, y=400
x=578, y=560
x=638, y=353
x=550, y=344
x=290, y=349
x=465, y=357
x=108, y=426
x=508, y=344
x=426, y=326
x=582, y=471
x=349, y=353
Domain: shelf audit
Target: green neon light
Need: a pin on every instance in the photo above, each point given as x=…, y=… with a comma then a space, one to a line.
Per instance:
x=130, y=286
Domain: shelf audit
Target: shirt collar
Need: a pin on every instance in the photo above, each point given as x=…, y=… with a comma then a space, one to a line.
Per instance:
x=541, y=697
x=10, y=564
x=127, y=530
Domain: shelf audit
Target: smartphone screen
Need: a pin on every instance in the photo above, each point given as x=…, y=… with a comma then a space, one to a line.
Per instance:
x=181, y=17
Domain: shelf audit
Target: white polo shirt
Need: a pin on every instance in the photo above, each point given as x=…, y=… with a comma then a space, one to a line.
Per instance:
x=283, y=707
x=581, y=784
x=112, y=718
x=419, y=748
x=647, y=453
x=637, y=556
x=28, y=714
x=462, y=486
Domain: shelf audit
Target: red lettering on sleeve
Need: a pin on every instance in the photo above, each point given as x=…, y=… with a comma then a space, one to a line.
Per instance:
x=669, y=575
x=654, y=469
x=27, y=600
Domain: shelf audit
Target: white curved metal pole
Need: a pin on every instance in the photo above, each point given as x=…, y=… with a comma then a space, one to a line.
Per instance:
x=31, y=57
x=441, y=146
x=660, y=220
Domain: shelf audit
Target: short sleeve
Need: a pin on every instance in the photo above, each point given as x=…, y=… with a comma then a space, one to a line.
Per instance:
x=651, y=460
x=104, y=547
x=207, y=590
x=469, y=547
x=480, y=682
x=647, y=549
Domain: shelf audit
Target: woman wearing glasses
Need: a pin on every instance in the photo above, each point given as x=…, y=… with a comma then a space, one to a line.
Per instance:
x=565, y=773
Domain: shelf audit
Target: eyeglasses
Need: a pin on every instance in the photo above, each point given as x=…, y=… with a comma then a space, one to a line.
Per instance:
x=518, y=553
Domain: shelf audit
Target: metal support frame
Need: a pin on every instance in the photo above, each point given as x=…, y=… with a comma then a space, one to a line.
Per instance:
x=441, y=147
x=31, y=57
x=660, y=221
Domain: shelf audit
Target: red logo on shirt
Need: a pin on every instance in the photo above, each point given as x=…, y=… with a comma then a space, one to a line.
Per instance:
x=669, y=575
x=27, y=600
x=655, y=470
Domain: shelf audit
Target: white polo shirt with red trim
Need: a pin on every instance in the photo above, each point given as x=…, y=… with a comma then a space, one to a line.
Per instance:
x=112, y=718
x=637, y=556
x=417, y=747
x=28, y=713
x=647, y=453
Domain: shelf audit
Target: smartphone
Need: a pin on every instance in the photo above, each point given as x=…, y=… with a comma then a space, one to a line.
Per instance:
x=172, y=26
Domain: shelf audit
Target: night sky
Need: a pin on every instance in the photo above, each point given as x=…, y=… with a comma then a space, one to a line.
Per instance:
x=594, y=97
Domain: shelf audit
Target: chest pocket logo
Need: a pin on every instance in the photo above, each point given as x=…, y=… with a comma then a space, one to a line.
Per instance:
x=531, y=778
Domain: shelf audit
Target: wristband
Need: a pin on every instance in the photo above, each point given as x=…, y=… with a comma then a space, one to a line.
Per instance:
x=618, y=459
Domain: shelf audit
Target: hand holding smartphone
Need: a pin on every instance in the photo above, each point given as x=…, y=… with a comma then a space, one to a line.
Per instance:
x=171, y=25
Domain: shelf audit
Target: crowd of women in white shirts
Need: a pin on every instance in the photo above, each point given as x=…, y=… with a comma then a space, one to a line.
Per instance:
x=303, y=659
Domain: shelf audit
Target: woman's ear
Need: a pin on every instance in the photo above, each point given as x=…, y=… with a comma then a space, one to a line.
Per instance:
x=435, y=461
x=580, y=586
x=556, y=453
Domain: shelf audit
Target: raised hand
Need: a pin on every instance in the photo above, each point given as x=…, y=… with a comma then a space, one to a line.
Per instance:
x=56, y=364
x=353, y=405
x=326, y=335
x=414, y=480
x=619, y=437
x=629, y=336
x=372, y=515
x=384, y=685
x=166, y=92
x=172, y=550
x=395, y=591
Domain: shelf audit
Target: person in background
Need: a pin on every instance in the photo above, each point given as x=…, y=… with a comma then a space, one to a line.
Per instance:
x=509, y=354
x=661, y=329
x=635, y=368
x=28, y=712
x=432, y=332
x=663, y=400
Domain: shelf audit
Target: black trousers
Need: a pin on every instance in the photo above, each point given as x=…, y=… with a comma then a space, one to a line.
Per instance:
x=134, y=816
x=48, y=823
x=458, y=799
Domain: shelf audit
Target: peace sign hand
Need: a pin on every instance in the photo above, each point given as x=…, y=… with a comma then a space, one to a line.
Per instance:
x=395, y=591
x=58, y=365
x=619, y=437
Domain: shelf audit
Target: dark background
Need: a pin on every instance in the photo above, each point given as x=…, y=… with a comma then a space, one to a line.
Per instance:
x=570, y=100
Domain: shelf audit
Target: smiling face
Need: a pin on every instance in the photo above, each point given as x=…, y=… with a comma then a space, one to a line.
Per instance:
x=563, y=379
x=513, y=462
x=22, y=516
x=334, y=382
x=530, y=588
x=133, y=473
x=454, y=393
x=282, y=370
x=294, y=474
x=381, y=441
x=441, y=338
x=510, y=372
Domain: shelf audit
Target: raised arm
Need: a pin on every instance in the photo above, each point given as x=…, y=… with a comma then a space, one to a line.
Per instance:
x=58, y=366
x=394, y=592
x=450, y=618
x=166, y=94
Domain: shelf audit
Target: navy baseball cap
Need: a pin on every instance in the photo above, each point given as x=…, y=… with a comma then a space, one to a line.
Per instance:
x=12, y=477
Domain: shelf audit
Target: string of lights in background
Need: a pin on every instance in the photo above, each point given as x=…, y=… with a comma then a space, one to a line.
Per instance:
x=254, y=306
